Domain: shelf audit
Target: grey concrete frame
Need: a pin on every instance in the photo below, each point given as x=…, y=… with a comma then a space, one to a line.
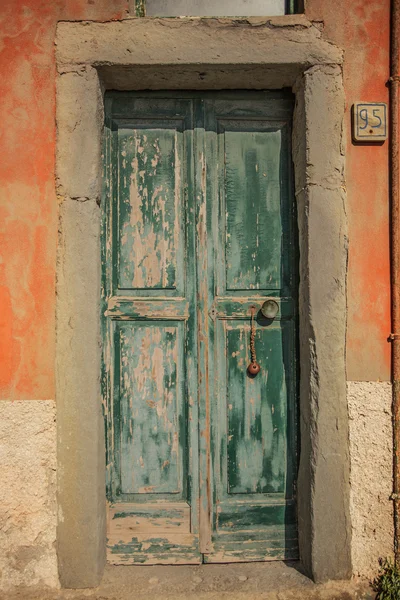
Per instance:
x=202, y=54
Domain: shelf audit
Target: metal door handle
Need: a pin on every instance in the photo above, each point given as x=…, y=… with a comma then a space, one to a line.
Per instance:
x=254, y=368
x=270, y=309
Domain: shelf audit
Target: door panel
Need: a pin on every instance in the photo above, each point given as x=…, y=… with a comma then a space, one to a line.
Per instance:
x=256, y=428
x=151, y=407
x=251, y=152
x=151, y=241
x=198, y=229
x=253, y=419
x=149, y=376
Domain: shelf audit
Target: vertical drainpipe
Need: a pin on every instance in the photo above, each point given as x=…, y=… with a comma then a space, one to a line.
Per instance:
x=395, y=259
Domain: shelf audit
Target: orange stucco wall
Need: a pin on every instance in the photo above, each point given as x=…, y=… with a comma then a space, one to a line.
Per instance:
x=361, y=28
x=28, y=205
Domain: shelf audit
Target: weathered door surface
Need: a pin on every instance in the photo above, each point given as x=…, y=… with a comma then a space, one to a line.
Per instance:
x=198, y=232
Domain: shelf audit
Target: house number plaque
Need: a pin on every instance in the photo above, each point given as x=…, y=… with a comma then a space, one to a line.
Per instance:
x=369, y=121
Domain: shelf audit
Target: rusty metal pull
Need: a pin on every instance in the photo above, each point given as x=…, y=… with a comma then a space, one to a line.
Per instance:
x=253, y=367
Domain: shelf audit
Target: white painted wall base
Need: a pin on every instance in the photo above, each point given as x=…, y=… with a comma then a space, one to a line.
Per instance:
x=27, y=494
x=28, y=488
x=371, y=474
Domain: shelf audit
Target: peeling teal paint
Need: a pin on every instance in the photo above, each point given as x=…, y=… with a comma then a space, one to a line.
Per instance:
x=198, y=228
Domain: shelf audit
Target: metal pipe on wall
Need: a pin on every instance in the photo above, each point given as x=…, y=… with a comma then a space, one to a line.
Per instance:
x=395, y=259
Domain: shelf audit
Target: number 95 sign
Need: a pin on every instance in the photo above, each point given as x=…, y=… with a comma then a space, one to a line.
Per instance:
x=369, y=122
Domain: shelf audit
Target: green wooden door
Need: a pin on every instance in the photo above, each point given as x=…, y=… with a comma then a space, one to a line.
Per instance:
x=198, y=229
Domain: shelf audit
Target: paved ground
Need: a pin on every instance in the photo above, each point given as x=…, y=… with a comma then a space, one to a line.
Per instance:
x=256, y=581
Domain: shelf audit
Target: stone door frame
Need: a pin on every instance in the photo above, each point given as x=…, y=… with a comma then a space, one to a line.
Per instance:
x=192, y=53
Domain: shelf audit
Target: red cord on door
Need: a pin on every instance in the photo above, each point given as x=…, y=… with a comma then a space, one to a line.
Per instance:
x=253, y=367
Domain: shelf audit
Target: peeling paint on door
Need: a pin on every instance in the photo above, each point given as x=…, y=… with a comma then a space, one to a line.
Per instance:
x=149, y=187
x=199, y=227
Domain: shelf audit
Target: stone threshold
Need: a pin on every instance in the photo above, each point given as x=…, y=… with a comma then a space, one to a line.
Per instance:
x=240, y=581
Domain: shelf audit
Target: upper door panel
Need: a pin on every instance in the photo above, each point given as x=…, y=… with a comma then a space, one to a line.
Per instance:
x=255, y=171
x=150, y=159
x=253, y=185
x=150, y=227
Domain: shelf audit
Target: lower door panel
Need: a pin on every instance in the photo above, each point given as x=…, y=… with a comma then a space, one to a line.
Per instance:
x=151, y=534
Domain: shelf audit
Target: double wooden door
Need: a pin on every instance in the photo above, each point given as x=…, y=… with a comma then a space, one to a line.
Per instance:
x=199, y=231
